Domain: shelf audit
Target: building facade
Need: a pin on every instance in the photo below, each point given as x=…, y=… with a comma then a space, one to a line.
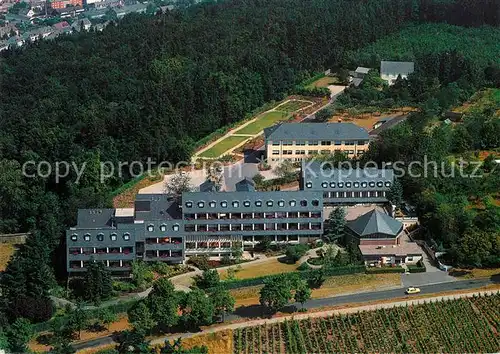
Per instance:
x=299, y=141
x=346, y=186
x=382, y=240
x=210, y=222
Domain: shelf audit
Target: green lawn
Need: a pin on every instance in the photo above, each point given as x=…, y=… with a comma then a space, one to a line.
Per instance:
x=292, y=106
x=222, y=146
x=324, y=82
x=264, y=121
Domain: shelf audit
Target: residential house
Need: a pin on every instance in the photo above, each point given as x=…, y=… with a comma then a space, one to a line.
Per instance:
x=382, y=240
x=391, y=70
x=356, y=77
x=61, y=4
x=84, y=24
x=69, y=11
x=38, y=33
x=298, y=141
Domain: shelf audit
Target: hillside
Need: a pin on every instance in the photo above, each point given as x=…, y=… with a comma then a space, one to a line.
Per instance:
x=479, y=45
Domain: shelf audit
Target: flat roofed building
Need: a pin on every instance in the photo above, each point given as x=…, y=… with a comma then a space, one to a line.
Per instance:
x=346, y=186
x=151, y=231
x=299, y=141
x=215, y=222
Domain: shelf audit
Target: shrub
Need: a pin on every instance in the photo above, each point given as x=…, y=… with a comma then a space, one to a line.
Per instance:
x=295, y=252
x=200, y=262
x=161, y=268
x=304, y=267
x=385, y=270
x=35, y=309
x=124, y=287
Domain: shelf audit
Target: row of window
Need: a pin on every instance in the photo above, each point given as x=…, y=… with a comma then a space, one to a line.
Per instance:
x=362, y=184
x=100, y=237
x=247, y=203
x=163, y=227
x=314, y=152
x=316, y=142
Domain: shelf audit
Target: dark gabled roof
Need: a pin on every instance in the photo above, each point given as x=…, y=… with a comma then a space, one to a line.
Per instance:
x=316, y=131
x=387, y=125
x=156, y=207
x=396, y=67
x=245, y=185
x=95, y=218
x=375, y=222
x=207, y=186
x=356, y=81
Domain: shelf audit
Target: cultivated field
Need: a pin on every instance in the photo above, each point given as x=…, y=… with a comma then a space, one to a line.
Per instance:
x=325, y=82
x=222, y=146
x=292, y=106
x=6, y=252
x=458, y=326
x=266, y=120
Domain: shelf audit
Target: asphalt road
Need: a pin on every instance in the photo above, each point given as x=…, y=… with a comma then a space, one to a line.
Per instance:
x=256, y=310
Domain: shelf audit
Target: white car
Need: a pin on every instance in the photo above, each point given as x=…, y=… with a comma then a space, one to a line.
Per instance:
x=412, y=290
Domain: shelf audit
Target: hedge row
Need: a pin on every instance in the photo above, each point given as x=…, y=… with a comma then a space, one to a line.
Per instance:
x=419, y=268
x=116, y=308
x=385, y=270
x=243, y=283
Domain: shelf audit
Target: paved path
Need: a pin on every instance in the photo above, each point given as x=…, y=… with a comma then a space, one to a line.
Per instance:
x=233, y=131
x=256, y=310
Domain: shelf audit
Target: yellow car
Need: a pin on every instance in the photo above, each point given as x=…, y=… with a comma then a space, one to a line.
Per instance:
x=412, y=290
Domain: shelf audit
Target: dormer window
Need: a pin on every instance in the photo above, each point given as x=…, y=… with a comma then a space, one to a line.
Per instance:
x=86, y=237
x=387, y=184
x=269, y=203
x=163, y=227
x=281, y=203
x=309, y=185
x=303, y=203
x=74, y=237
x=151, y=228
x=332, y=184
x=126, y=236
x=340, y=184
x=212, y=204
x=364, y=184
x=100, y=237
x=246, y=203
x=258, y=203
x=356, y=184
x=293, y=203
x=113, y=237
x=236, y=204
x=380, y=184
x=223, y=204
x=315, y=202
x=348, y=184
x=175, y=227
x=324, y=185
x=189, y=204
x=371, y=184
x=201, y=204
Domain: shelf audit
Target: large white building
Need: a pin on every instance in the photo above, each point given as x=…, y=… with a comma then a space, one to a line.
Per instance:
x=390, y=70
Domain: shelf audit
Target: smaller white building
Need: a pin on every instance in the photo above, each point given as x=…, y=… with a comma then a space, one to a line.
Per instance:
x=390, y=70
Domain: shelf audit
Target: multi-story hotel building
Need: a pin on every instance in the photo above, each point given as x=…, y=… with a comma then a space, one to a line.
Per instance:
x=298, y=141
x=206, y=222
x=346, y=186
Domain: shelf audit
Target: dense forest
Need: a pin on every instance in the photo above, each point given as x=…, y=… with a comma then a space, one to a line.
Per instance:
x=153, y=86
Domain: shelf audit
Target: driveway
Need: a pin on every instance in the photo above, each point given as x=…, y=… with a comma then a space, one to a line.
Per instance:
x=427, y=278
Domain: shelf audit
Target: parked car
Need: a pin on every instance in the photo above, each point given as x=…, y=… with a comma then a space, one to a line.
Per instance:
x=412, y=290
